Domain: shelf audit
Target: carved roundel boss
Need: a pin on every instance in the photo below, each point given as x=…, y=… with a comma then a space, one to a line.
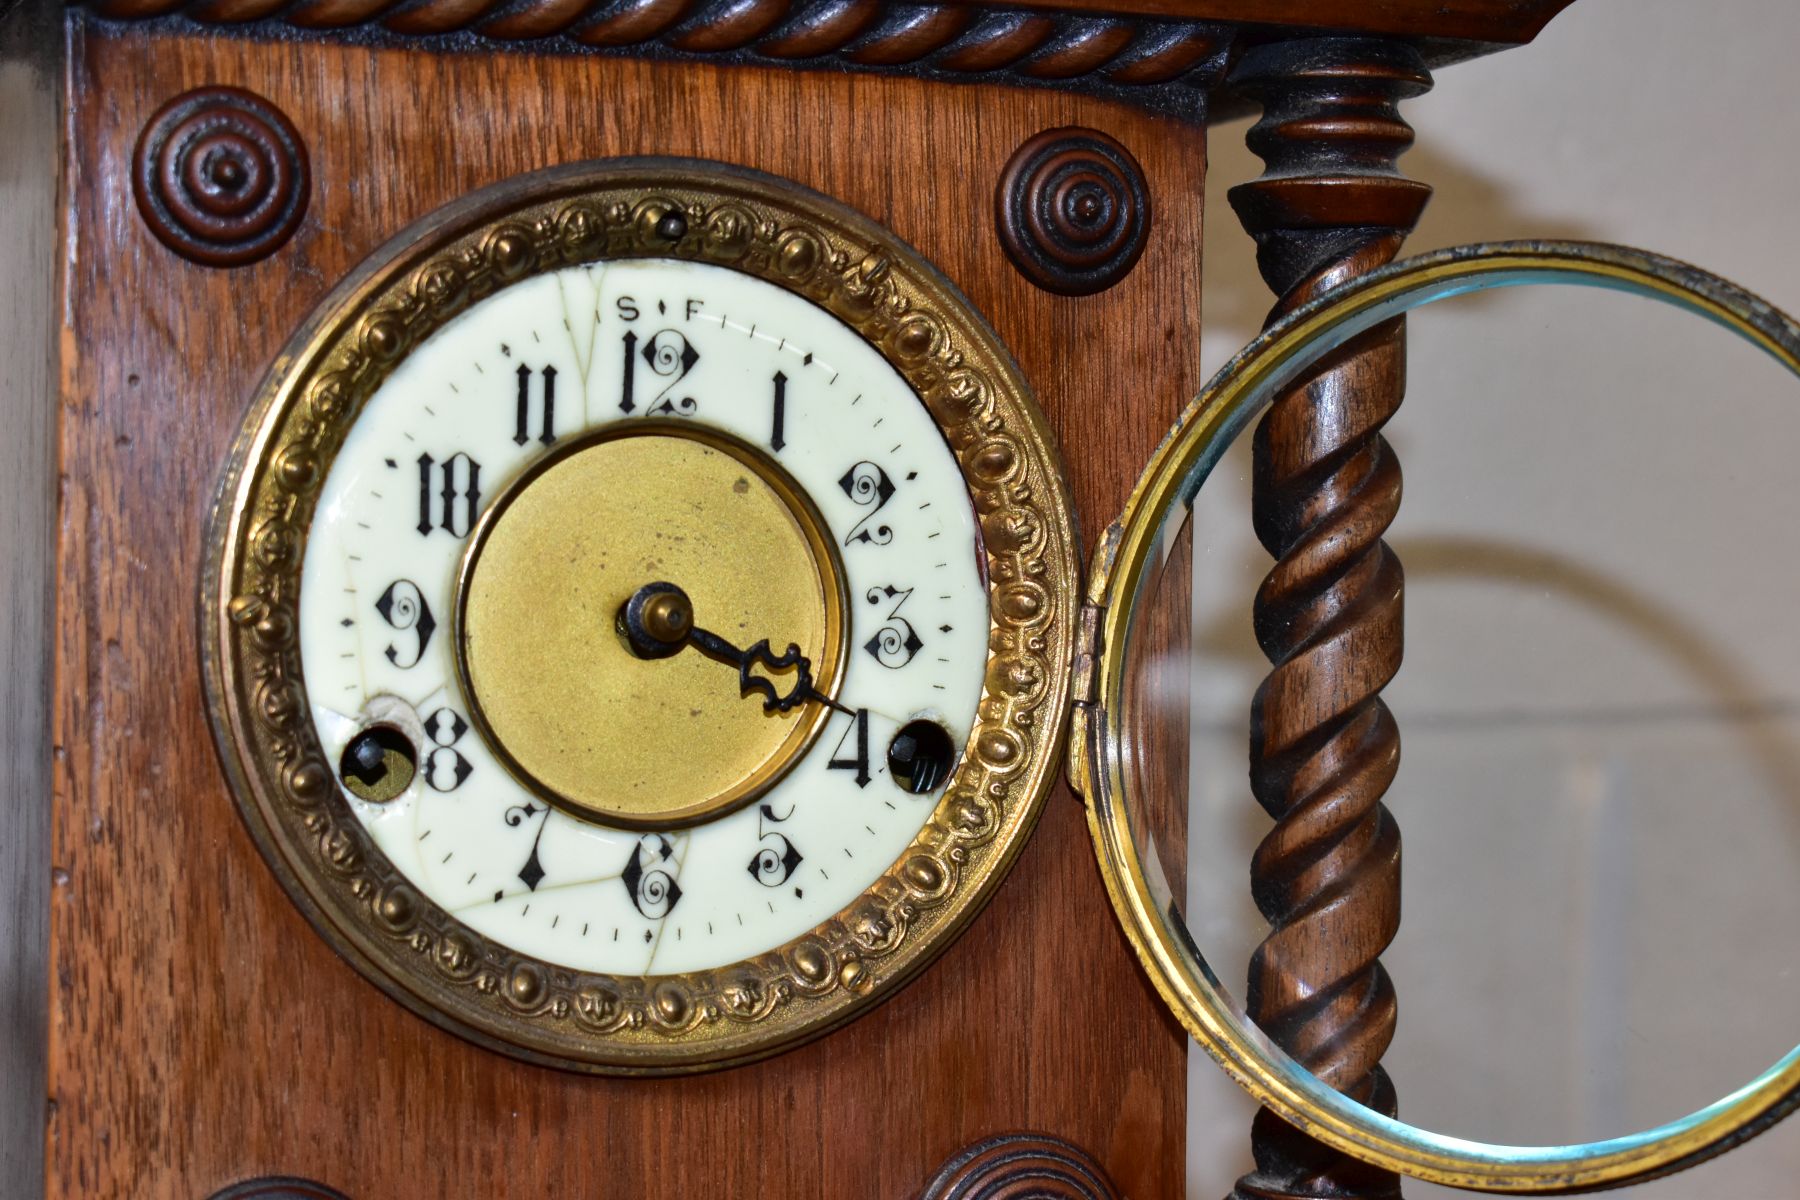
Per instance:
x=640, y=615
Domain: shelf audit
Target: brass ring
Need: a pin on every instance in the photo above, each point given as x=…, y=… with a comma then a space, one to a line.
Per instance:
x=1134, y=879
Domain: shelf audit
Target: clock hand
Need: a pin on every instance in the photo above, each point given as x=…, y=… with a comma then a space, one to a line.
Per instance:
x=658, y=621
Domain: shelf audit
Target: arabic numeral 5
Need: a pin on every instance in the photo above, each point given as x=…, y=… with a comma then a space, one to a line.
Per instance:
x=776, y=858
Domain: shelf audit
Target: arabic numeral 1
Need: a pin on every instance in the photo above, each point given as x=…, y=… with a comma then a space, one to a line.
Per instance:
x=778, y=423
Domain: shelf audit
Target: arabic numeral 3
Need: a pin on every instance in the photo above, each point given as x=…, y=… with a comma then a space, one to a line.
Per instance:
x=896, y=642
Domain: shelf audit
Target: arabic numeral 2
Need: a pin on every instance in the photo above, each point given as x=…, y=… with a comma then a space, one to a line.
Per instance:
x=546, y=392
x=858, y=759
x=868, y=485
x=449, y=494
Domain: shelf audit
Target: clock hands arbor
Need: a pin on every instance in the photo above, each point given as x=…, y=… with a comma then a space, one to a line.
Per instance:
x=658, y=621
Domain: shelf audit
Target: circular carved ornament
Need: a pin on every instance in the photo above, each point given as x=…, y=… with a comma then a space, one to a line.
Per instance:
x=1021, y=1166
x=1073, y=211
x=631, y=215
x=221, y=176
x=278, y=1187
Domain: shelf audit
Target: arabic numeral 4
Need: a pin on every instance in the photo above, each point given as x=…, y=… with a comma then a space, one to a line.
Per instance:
x=857, y=757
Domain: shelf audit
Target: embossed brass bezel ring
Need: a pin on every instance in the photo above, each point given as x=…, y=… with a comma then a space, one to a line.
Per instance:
x=287, y=792
x=1123, y=837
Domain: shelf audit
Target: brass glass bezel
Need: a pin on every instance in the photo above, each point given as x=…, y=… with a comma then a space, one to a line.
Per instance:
x=1126, y=561
x=287, y=792
x=833, y=583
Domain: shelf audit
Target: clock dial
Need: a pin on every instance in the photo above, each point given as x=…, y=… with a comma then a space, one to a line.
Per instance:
x=506, y=492
x=641, y=612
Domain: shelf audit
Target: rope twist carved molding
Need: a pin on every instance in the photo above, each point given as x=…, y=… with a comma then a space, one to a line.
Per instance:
x=1119, y=54
x=1324, y=747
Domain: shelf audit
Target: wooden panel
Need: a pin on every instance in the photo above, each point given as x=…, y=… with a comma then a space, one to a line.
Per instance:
x=200, y=1031
x=28, y=172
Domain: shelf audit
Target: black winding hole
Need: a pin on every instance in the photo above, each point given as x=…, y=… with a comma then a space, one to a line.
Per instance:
x=379, y=764
x=920, y=756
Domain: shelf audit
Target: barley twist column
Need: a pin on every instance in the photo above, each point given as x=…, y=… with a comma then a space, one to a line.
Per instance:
x=1330, y=205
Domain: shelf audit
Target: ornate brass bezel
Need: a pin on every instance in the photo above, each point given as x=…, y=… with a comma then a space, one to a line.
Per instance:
x=287, y=791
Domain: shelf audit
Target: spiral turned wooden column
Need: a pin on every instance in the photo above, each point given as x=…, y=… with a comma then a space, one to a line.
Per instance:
x=1324, y=748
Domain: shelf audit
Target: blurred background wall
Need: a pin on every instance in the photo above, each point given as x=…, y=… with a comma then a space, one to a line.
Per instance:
x=1600, y=706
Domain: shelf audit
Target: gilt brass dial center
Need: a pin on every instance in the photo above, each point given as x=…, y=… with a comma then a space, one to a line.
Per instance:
x=609, y=733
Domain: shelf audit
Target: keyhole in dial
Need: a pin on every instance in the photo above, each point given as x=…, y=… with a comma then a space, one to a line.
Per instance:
x=920, y=756
x=379, y=764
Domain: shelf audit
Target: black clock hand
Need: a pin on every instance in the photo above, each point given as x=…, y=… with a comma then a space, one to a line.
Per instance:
x=658, y=621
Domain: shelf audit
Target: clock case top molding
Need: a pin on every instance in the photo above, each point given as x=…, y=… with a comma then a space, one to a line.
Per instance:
x=1168, y=55
x=251, y=1049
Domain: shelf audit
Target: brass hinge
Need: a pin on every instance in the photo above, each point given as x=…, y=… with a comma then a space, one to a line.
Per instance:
x=1084, y=677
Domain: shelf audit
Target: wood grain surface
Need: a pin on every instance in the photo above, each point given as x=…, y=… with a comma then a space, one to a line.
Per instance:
x=28, y=148
x=200, y=1032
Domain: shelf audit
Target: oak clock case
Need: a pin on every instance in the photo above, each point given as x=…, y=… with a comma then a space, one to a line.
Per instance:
x=639, y=616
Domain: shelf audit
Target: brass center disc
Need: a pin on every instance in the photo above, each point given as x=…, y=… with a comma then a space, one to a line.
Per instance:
x=551, y=680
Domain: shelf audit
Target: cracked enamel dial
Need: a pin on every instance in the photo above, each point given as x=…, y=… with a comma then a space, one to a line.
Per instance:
x=640, y=616
x=504, y=495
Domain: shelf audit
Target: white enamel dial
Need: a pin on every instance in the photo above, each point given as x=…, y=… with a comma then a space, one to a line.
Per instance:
x=528, y=368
